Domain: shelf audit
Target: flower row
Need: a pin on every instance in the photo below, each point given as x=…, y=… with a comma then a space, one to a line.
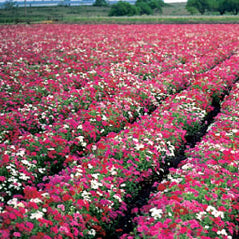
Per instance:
x=200, y=198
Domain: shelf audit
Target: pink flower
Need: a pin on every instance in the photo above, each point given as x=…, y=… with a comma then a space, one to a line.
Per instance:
x=17, y=234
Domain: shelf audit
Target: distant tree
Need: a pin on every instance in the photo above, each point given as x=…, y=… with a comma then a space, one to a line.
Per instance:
x=233, y=6
x=147, y=6
x=156, y=4
x=220, y=6
x=192, y=10
x=200, y=5
x=122, y=8
x=144, y=8
x=100, y=3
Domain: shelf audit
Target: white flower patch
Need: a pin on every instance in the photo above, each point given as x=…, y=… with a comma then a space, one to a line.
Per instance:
x=156, y=213
x=92, y=232
x=15, y=203
x=35, y=200
x=41, y=170
x=79, y=126
x=23, y=176
x=21, y=152
x=187, y=166
x=37, y=215
x=117, y=197
x=86, y=196
x=113, y=171
x=200, y=215
x=222, y=232
x=90, y=166
x=192, y=108
x=139, y=146
x=214, y=212
x=81, y=140
x=234, y=131
x=45, y=195
x=95, y=184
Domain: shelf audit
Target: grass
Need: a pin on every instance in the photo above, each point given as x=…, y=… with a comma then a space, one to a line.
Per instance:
x=172, y=13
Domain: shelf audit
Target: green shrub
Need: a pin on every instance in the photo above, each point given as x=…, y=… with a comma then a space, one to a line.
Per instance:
x=144, y=8
x=123, y=9
x=100, y=3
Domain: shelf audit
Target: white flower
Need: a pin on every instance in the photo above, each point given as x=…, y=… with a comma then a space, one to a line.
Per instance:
x=200, y=215
x=113, y=171
x=45, y=195
x=41, y=170
x=91, y=232
x=117, y=197
x=21, y=152
x=24, y=176
x=13, y=202
x=95, y=184
x=222, y=232
x=214, y=212
x=80, y=138
x=139, y=146
x=86, y=195
x=24, y=161
x=156, y=213
x=35, y=200
x=90, y=166
x=36, y=215
x=187, y=166
x=104, y=117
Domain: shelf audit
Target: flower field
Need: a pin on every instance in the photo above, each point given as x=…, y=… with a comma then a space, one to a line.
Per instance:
x=90, y=114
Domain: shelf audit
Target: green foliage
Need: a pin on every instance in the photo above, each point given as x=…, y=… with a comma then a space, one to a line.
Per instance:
x=233, y=6
x=123, y=9
x=144, y=8
x=148, y=6
x=100, y=3
x=156, y=4
x=221, y=6
x=192, y=10
x=141, y=7
x=200, y=5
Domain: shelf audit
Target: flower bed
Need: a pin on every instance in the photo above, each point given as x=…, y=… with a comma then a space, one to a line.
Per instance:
x=65, y=99
x=200, y=198
x=66, y=122
x=96, y=189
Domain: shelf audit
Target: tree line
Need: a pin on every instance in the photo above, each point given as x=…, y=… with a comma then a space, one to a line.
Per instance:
x=148, y=7
x=140, y=7
x=221, y=6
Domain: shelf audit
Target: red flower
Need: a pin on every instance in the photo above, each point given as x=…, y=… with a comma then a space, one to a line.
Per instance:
x=31, y=192
x=161, y=187
x=66, y=197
